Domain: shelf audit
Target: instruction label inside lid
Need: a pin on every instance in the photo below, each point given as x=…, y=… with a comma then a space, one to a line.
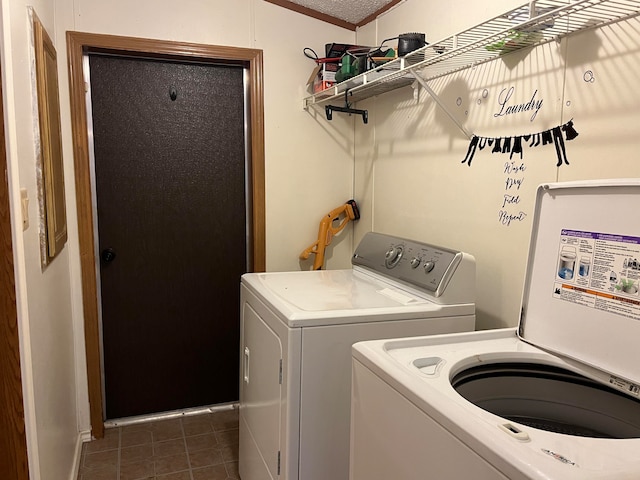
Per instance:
x=600, y=271
x=581, y=295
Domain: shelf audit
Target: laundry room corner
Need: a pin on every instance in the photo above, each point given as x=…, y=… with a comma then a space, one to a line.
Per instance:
x=422, y=175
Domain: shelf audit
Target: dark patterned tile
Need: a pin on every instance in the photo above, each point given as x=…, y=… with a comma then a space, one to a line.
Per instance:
x=169, y=447
x=137, y=470
x=110, y=441
x=99, y=460
x=130, y=438
x=167, y=430
x=109, y=473
x=205, y=458
x=201, y=442
x=229, y=453
x=212, y=472
x=224, y=420
x=232, y=470
x=136, y=453
x=171, y=464
x=197, y=425
x=199, y=447
x=185, y=475
x=228, y=437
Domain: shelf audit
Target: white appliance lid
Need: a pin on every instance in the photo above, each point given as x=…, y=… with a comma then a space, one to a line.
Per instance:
x=329, y=290
x=581, y=295
x=336, y=297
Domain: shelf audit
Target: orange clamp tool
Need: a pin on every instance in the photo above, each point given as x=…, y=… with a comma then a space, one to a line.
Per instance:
x=348, y=211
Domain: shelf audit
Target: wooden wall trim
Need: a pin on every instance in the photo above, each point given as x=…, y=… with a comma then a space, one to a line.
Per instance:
x=75, y=51
x=14, y=462
x=79, y=43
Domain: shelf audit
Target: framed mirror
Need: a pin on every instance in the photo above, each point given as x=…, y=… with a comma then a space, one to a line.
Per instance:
x=54, y=224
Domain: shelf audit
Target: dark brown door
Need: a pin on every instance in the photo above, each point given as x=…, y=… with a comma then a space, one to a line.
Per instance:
x=13, y=443
x=169, y=149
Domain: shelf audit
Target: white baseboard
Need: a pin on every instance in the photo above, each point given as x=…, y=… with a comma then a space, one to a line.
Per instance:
x=84, y=436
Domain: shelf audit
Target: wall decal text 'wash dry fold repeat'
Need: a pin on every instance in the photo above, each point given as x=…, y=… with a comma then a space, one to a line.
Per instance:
x=514, y=145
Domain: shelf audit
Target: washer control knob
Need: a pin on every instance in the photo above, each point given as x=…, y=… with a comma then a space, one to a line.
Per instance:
x=429, y=265
x=393, y=256
x=415, y=262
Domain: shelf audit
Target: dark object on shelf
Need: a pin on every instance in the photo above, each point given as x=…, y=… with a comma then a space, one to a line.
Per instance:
x=354, y=64
x=408, y=42
x=349, y=67
x=324, y=75
x=337, y=50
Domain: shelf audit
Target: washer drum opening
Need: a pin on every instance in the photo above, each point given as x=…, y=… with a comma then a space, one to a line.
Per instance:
x=550, y=398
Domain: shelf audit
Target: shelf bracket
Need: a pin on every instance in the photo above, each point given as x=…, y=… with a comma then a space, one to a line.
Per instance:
x=442, y=105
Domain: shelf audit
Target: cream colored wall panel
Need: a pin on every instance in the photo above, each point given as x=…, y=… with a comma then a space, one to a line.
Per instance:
x=409, y=163
x=364, y=170
x=44, y=297
x=305, y=177
x=64, y=22
x=212, y=22
x=364, y=158
x=309, y=170
x=602, y=97
x=309, y=160
x=420, y=188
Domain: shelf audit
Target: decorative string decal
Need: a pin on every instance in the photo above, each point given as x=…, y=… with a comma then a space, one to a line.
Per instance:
x=513, y=145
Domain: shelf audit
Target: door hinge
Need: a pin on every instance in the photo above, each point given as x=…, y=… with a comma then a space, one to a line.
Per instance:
x=280, y=373
x=278, y=462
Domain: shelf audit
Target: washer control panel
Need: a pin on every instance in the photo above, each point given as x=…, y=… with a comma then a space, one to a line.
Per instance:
x=419, y=264
x=393, y=256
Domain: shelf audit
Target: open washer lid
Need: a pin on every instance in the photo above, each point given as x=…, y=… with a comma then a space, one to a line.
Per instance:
x=581, y=297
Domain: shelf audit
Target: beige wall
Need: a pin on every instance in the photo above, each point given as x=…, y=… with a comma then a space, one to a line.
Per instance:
x=297, y=176
x=309, y=161
x=44, y=297
x=409, y=175
x=309, y=170
x=308, y=164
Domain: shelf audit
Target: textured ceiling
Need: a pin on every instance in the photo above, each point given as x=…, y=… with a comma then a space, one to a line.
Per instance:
x=345, y=13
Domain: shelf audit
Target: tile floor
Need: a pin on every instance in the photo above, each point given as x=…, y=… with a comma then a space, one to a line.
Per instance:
x=199, y=447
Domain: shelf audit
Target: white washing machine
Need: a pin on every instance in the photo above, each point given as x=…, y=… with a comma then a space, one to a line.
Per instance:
x=297, y=329
x=556, y=398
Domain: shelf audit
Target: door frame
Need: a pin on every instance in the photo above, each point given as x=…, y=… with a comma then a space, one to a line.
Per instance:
x=79, y=44
x=14, y=459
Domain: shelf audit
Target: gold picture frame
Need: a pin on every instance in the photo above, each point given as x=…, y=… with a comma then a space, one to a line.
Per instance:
x=54, y=226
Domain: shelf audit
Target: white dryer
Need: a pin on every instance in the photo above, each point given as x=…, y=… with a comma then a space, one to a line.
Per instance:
x=297, y=329
x=557, y=398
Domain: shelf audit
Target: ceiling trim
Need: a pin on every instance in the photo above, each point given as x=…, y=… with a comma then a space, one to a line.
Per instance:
x=378, y=12
x=312, y=13
x=330, y=19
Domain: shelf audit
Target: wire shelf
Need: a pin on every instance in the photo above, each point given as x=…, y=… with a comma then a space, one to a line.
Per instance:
x=527, y=26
